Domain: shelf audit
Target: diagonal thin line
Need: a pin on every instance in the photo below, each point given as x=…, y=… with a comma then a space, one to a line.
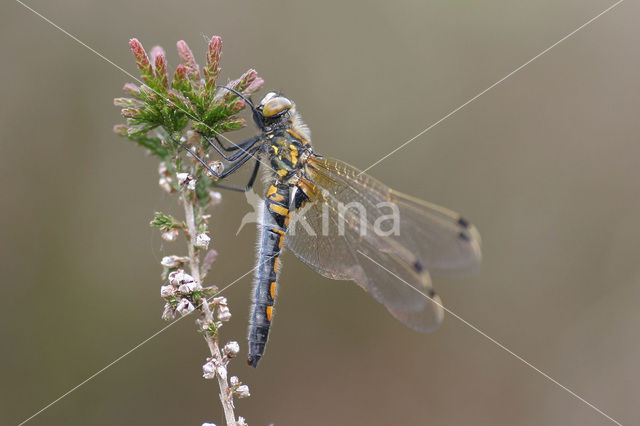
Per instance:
x=500, y=345
x=118, y=359
x=76, y=39
x=494, y=85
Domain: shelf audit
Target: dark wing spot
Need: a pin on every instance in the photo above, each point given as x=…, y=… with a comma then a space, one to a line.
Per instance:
x=463, y=222
x=418, y=266
x=464, y=236
x=431, y=293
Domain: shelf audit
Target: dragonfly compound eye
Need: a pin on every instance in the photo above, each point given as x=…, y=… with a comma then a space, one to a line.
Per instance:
x=276, y=106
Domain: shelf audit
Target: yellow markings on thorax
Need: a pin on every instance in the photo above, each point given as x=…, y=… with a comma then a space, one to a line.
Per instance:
x=272, y=290
x=282, y=173
x=269, y=312
x=297, y=136
x=283, y=211
x=294, y=154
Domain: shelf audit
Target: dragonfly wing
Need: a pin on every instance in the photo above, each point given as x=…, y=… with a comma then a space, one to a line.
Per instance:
x=356, y=228
x=381, y=269
x=445, y=243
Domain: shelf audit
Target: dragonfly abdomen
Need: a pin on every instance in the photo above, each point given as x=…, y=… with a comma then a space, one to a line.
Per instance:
x=275, y=220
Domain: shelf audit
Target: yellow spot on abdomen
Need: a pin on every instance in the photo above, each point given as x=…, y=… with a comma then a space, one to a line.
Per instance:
x=272, y=190
x=282, y=173
x=279, y=209
x=275, y=265
x=272, y=290
x=276, y=197
x=269, y=312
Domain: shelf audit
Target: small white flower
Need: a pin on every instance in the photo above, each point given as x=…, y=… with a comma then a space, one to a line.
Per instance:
x=231, y=349
x=241, y=421
x=184, y=307
x=221, y=370
x=182, y=178
x=234, y=381
x=173, y=261
x=169, y=313
x=167, y=291
x=170, y=235
x=179, y=277
x=220, y=300
x=186, y=180
x=242, y=391
x=190, y=287
x=223, y=313
x=202, y=240
x=209, y=370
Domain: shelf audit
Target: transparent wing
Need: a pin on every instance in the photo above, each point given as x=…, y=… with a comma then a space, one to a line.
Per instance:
x=356, y=228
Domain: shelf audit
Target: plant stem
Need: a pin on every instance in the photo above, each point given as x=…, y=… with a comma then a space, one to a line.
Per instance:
x=226, y=395
x=191, y=228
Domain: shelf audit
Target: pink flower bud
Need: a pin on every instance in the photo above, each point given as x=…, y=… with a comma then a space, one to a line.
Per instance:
x=142, y=60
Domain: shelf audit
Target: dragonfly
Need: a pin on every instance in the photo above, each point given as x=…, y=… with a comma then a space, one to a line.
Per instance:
x=342, y=223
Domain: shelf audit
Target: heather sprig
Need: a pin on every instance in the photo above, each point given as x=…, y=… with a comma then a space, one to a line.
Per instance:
x=190, y=98
x=158, y=112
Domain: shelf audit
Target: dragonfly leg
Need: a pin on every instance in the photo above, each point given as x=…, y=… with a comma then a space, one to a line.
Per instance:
x=246, y=155
x=242, y=146
x=249, y=184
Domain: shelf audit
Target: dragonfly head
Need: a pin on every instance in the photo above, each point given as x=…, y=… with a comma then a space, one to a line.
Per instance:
x=272, y=110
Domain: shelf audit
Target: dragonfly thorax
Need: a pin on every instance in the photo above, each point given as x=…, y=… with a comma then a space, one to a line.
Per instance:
x=286, y=137
x=287, y=152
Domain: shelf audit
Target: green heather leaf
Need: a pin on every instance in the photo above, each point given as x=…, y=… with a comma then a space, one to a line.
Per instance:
x=154, y=145
x=165, y=222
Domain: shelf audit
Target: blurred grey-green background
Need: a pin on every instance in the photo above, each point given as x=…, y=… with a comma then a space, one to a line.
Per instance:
x=545, y=164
